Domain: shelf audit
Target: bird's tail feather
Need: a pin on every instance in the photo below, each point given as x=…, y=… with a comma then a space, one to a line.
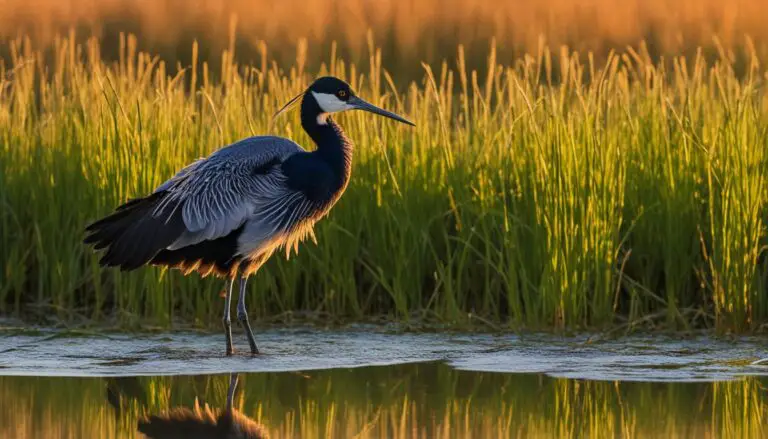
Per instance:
x=135, y=232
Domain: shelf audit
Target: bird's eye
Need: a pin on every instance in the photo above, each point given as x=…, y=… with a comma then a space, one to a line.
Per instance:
x=342, y=94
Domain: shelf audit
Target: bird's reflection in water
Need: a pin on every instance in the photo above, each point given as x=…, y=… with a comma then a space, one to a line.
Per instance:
x=201, y=421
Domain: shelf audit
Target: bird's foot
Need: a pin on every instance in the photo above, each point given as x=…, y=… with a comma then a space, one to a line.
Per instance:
x=228, y=334
x=243, y=318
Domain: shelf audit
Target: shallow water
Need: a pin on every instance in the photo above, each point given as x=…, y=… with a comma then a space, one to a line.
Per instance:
x=373, y=383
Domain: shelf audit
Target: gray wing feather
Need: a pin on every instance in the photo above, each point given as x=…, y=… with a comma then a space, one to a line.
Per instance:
x=283, y=213
x=180, y=175
x=221, y=192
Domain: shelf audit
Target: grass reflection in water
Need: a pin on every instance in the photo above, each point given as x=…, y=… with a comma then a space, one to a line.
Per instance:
x=423, y=400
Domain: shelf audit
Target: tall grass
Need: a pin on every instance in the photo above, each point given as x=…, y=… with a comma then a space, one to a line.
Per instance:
x=409, y=31
x=625, y=192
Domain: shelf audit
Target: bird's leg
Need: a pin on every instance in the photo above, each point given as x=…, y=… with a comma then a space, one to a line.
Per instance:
x=231, y=392
x=242, y=315
x=226, y=320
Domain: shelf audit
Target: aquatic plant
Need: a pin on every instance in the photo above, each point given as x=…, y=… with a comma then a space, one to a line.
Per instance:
x=628, y=192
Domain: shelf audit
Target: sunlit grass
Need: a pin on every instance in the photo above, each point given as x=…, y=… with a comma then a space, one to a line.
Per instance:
x=627, y=192
x=409, y=31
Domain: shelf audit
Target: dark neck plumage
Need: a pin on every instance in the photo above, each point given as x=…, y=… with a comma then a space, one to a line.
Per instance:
x=332, y=145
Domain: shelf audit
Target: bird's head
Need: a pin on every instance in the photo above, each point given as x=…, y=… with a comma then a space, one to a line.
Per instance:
x=332, y=95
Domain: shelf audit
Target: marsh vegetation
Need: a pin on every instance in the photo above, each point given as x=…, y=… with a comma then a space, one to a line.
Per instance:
x=555, y=188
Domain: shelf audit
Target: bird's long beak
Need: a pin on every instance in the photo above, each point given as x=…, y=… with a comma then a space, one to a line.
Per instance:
x=360, y=104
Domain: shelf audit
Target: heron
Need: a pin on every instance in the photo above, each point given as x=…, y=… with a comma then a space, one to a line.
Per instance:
x=227, y=213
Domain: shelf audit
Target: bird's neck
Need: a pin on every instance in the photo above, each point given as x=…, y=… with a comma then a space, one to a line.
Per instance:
x=332, y=145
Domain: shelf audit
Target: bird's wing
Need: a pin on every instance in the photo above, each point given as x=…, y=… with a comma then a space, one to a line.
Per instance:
x=218, y=194
x=180, y=175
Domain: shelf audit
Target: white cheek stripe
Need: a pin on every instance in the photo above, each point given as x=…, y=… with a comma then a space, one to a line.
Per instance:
x=330, y=103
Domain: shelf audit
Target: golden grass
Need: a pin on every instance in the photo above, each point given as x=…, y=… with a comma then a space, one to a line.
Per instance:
x=409, y=31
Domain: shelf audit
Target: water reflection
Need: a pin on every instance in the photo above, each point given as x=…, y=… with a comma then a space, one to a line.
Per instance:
x=424, y=400
x=198, y=421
